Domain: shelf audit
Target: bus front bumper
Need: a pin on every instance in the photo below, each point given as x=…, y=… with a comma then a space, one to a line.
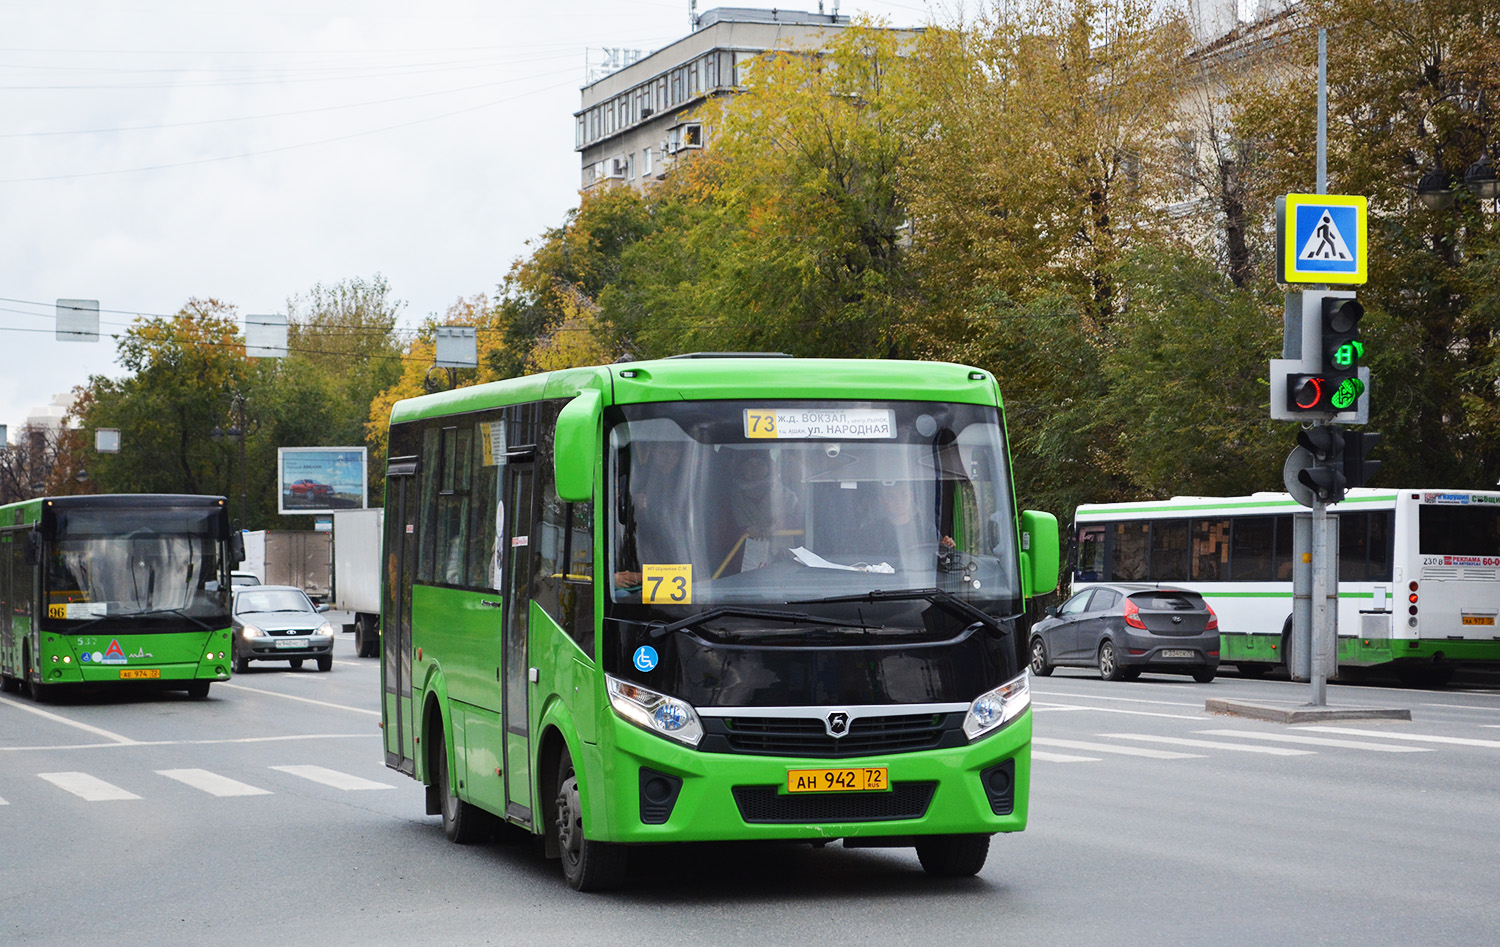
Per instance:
x=655, y=790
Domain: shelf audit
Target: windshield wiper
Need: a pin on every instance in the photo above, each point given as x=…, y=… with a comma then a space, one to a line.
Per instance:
x=147, y=612
x=734, y=611
x=947, y=600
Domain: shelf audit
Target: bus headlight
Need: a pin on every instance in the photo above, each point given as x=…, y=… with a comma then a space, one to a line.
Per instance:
x=994, y=709
x=658, y=713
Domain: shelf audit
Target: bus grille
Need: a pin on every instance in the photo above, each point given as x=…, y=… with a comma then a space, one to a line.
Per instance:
x=808, y=736
x=762, y=804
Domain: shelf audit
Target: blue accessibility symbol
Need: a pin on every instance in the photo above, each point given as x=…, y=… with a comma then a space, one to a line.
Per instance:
x=645, y=658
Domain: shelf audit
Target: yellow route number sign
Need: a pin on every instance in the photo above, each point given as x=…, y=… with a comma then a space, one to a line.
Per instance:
x=670, y=584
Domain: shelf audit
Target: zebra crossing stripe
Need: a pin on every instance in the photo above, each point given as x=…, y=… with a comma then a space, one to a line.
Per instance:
x=86, y=787
x=213, y=783
x=1108, y=748
x=1316, y=741
x=334, y=778
x=1413, y=737
x=1046, y=757
x=1210, y=744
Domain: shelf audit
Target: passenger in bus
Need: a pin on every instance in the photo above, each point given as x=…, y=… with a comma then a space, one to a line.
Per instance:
x=765, y=515
x=656, y=474
x=894, y=522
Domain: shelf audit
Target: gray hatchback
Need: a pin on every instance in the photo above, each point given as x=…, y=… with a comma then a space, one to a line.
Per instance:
x=1124, y=629
x=280, y=623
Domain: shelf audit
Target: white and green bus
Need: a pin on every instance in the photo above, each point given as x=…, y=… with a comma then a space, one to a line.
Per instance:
x=1419, y=572
x=710, y=599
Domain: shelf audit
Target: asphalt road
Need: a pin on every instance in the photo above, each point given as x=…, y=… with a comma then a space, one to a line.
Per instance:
x=265, y=816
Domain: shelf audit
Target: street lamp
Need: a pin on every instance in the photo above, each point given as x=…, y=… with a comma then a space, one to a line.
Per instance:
x=1435, y=190
x=1481, y=179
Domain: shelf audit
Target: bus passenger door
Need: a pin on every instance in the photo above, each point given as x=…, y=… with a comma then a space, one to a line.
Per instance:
x=400, y=561
x=515, y=668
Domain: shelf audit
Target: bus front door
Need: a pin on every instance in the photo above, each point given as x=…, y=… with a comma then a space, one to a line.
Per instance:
x=519, y=475
x=400, y=555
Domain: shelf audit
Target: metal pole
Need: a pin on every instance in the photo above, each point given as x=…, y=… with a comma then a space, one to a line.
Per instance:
x=1322, y=111
x=1319, y=603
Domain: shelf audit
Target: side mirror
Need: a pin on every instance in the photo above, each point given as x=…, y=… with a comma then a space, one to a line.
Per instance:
x=237, y=547
x=1039, y=552
x=323, y=608
x=575, y=450
x=1053, y=611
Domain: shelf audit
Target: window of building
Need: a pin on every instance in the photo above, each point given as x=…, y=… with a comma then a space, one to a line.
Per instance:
x=645, y=162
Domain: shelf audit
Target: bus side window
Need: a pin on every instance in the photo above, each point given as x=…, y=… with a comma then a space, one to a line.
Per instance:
x=1130, y=547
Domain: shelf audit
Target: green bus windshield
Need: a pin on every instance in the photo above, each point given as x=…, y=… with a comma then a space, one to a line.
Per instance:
x=108, y=568
x=765, y=503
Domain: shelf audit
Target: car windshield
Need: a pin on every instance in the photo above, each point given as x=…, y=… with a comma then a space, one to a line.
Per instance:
x=108, y=566
x=253, y=599
x=771, y=503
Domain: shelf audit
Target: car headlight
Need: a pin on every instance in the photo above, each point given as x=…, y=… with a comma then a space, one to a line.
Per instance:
x=250, y=631
x=325, y=629
x=658, y=713
x=994, y=709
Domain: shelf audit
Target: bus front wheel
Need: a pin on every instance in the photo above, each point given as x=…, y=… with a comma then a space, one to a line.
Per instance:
x=587, y=865
x=953, y=856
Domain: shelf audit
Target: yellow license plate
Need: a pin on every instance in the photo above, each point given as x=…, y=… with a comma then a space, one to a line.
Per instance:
x=845, y=779
x=1479, y=619
x=147, y=674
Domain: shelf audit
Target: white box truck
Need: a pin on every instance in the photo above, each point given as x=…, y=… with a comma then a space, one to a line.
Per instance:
x=303, y=559
x=357, y=539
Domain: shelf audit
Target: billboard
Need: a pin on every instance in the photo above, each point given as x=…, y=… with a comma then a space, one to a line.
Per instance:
x=320, y=479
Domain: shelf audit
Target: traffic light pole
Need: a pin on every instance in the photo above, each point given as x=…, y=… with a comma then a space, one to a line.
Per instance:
x=1320, y=622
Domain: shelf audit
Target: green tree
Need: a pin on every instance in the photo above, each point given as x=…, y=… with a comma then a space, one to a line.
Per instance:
x=180, y=369
x=1411, y=91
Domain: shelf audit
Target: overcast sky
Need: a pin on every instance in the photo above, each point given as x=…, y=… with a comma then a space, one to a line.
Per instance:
x=153, y=151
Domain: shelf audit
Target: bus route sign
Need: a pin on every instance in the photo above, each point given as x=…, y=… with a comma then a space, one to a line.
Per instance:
x=1321, y=238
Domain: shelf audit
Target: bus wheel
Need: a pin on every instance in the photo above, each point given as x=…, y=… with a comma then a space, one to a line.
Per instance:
x=1040, y=666
x=1252, y=669
x=463, y=823
x=953, y=856
x=8, y=684
x=1109, y=662
x=35, y=689
x=198, y=690
x=587, y=865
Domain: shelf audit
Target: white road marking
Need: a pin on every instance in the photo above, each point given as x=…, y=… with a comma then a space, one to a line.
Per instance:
x=334, y=778
x=58, y=718
x=1129, y=713
x=142, y=743
x=1118, y=700
x=1315, y=741
x=1061, y=757
x=86, y=787
x=305, y=700
x=1210, y=744
x=1109, y=748
x=213, y=783
x=1413, y=737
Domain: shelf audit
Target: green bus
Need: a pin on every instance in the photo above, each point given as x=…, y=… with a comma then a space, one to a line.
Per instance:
x=115, y=589
x=713, y=598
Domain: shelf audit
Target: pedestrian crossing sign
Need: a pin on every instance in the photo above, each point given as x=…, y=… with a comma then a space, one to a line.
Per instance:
x=1320, y=238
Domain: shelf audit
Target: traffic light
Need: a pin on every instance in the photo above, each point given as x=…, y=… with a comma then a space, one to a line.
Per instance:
x=1326, y=380
x=1357, y=447
x=1326, y=476
x=1342, y=351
